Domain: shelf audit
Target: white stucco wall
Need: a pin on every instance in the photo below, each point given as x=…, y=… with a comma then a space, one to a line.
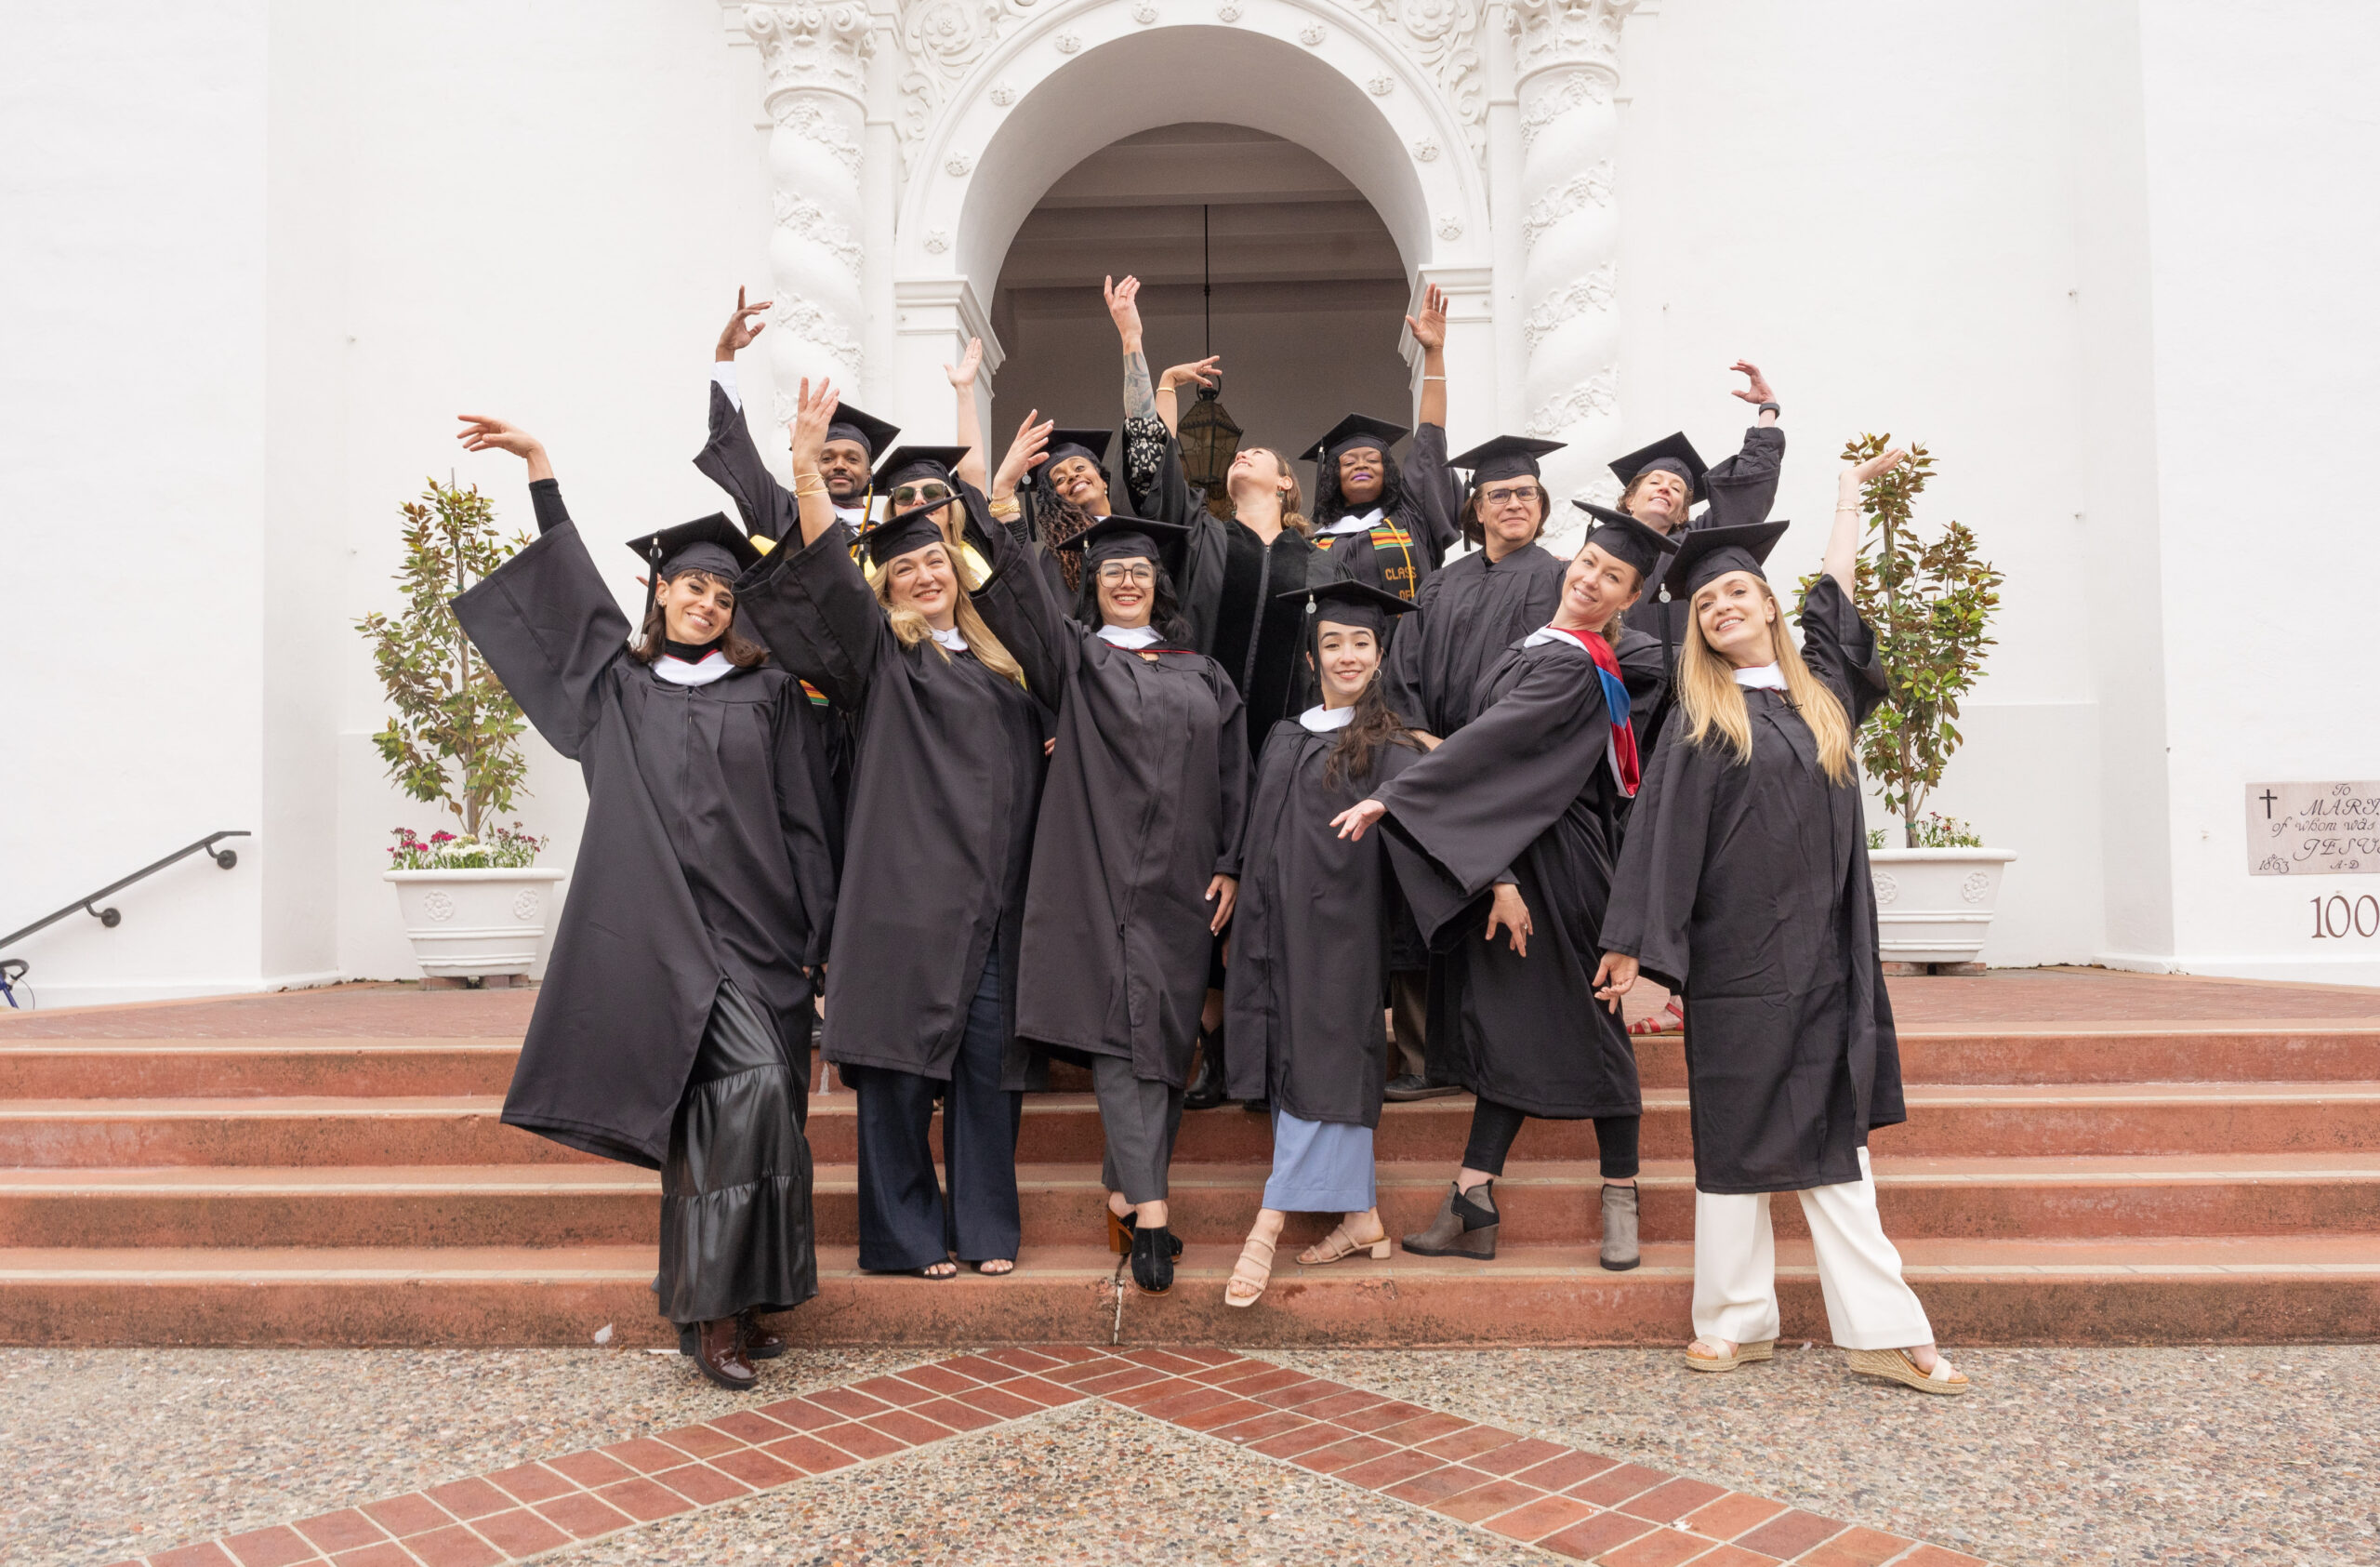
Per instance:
x=259, y=254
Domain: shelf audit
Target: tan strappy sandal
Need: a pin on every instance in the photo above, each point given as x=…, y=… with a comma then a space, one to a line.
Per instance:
x=1338, y=1246
x=1896, y=1365
x=1251, y=1273
x=1744, y=1354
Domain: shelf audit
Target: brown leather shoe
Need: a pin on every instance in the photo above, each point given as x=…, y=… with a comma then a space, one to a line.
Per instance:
x=760, y=1344
x=719, y=1354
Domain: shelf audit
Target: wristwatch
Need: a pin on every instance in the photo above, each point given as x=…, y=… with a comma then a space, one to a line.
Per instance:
x=1768, y=408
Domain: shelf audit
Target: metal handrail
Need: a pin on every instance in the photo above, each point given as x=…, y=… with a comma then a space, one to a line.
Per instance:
x=14, y=968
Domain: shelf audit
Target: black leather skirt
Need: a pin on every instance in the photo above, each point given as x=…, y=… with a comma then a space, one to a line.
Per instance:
x=737, y=1231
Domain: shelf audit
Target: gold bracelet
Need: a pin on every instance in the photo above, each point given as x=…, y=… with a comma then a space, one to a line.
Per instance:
x=1004, y=509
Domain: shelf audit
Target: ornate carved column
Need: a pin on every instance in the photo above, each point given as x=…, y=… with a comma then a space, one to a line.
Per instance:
x=1567, y=62
x=816, y=58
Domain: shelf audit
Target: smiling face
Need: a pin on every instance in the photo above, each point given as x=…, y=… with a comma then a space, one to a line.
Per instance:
x=1077, y=479
x=696, y=607
x=1256, y=470
x=924, y=581
x=1658, y=498
x=1511, y=512
x=843, y=464
x=1595, y=586
x=1363, y=473
x=1350, y=658
x=1736, y=613
x=1127, y=591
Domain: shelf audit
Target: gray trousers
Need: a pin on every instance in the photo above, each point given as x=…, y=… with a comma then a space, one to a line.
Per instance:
x=1140, y=1118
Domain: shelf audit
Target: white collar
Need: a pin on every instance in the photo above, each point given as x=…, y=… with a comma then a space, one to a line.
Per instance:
x=951, y=639
x=1767, y=677
x=855, y=516
x=1131, y=636
x=676, y=671
x=1322, y=721
x=1549, y=632
x=1354, y=523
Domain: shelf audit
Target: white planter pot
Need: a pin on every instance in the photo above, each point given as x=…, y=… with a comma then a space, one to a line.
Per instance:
x=1933, y=906
x=465, y=924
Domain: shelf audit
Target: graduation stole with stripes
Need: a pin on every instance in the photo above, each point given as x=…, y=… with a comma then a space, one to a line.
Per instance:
x=1622, y=745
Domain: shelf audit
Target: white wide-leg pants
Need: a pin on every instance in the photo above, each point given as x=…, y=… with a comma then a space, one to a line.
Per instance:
x=1868, y=1305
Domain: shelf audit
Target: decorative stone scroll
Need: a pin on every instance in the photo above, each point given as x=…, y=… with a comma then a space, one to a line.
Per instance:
x=815, y=61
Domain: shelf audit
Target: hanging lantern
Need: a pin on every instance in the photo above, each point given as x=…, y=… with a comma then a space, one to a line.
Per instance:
x=1209, y=440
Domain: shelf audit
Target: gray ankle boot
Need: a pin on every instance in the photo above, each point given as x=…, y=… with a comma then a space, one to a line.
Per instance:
x=1619, y=1253
x=1466, y=1227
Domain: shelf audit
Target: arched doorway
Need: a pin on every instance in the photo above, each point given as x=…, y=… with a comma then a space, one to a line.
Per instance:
x=1309, y=289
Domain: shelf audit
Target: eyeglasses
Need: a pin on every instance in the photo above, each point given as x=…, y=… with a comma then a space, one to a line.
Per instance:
x=906, y=496
x=1115, y=572
x=1506, y=494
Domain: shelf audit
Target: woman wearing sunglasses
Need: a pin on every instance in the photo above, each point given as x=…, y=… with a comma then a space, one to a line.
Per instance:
x=1136, y=859
x=919, y=1000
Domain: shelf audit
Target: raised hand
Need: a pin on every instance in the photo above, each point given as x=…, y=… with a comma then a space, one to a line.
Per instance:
x=1429, y=328
x=1198, y=372
x=814, y=411
x=1857, y=474
x=1758, y=392
x=741, y=329
x=1124, y=307
x=1029, y=451
x=486, y=434
x=962, y=375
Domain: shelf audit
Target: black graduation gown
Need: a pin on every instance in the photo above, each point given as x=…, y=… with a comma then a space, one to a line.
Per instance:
x=1472, y=610
x=1309, y=958
x=1229, y=584
x=1524, y=786
x=1147, y=785
x=1746, y=889
x=944, y=788
x=708, y=854
x=1397, y=553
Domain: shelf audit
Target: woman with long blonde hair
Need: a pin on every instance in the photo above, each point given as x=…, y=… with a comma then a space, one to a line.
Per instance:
x=920, y=1001
x=1744, y=885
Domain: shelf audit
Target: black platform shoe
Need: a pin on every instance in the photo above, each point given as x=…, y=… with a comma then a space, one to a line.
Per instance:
x=1206, y=1089
x=1153, y=1254
x=1119, y=1234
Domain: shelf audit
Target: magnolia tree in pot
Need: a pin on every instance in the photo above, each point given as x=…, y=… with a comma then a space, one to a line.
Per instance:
x=475, y=903
x=1931, y=601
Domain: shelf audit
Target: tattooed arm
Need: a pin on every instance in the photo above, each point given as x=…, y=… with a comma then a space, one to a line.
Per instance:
x=1123, y=305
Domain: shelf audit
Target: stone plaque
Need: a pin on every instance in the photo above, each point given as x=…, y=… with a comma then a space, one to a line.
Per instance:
x=2314, y=829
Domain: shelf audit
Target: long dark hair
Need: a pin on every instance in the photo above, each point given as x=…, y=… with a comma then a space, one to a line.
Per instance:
x=1055, y=520
x=1327, y=502
x=654, y=639
x=1165, y=609
x=1374, y=725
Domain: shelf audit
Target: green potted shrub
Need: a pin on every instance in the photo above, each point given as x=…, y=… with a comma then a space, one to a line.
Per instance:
x=1931, y=601
x=475, y=903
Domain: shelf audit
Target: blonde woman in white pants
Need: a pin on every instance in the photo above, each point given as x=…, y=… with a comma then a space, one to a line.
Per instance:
x=1744, y=885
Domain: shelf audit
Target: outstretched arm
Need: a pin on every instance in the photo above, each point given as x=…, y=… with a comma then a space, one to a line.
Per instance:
x=969, y=424
x=1428, y=329
x=1124, y=309
x=483, y=434
x=1843, y=539
x=1758, y=392
x=1198, y=372
x=813, y=413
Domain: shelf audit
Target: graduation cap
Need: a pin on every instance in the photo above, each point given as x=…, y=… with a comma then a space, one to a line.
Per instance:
x=1707, y=554
x=1356, y=430
x=1672, y=453
x=903, y=532
x=1349, y=603
x=942, y=462
x=1113, y=539
x=711, y=544
x=1089, y=444
x=1624, y=538
x=1506, y=457
x=851, y=423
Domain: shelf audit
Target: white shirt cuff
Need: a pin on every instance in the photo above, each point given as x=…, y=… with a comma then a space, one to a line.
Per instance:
x=722, y=374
